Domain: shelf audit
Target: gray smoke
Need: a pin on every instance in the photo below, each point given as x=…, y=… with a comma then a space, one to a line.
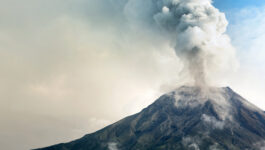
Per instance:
x=196, y=30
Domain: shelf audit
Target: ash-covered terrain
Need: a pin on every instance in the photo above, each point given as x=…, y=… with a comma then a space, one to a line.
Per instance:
x=188, y=118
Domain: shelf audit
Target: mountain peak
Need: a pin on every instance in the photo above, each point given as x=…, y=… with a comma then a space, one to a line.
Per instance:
x=186, y=118
x=223, y=99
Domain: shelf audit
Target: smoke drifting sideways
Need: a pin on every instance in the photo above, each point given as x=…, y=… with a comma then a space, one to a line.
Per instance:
x=195, y=28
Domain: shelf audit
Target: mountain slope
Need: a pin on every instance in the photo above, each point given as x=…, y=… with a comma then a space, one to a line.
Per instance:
x=187, y=118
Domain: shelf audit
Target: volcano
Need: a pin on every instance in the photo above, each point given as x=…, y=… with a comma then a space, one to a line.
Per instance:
x=188, y=118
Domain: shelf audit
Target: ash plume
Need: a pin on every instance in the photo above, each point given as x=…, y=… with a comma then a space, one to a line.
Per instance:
x=195, y=28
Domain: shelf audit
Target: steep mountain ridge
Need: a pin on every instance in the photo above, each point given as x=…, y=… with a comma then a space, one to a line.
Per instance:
x=186, y=118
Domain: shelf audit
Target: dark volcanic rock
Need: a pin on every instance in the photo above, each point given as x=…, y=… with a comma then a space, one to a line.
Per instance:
x=187, y=118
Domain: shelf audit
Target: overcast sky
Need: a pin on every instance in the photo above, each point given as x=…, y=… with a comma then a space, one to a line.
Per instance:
x=71, y=67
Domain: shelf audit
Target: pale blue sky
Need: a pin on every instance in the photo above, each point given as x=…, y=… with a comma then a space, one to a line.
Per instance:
x=232, y=7
x=247, y=32
x=225, y=5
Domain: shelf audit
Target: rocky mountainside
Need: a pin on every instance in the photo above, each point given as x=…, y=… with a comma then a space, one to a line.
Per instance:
x=188, y=118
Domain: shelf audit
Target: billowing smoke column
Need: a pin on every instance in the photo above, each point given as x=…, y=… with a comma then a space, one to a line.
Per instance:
x=196, y=28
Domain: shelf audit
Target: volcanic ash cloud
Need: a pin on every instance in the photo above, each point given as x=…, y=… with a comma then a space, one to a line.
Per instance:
x=196, y=29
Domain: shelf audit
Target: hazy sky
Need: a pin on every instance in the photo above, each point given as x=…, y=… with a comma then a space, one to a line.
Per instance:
x=70, y=67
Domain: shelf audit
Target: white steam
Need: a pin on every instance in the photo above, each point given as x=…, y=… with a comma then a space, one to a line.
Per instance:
x=196, y=30
x=191, y=143
x=193, y=96
x=194, y=143
x=112, y=146
x=213, y=122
